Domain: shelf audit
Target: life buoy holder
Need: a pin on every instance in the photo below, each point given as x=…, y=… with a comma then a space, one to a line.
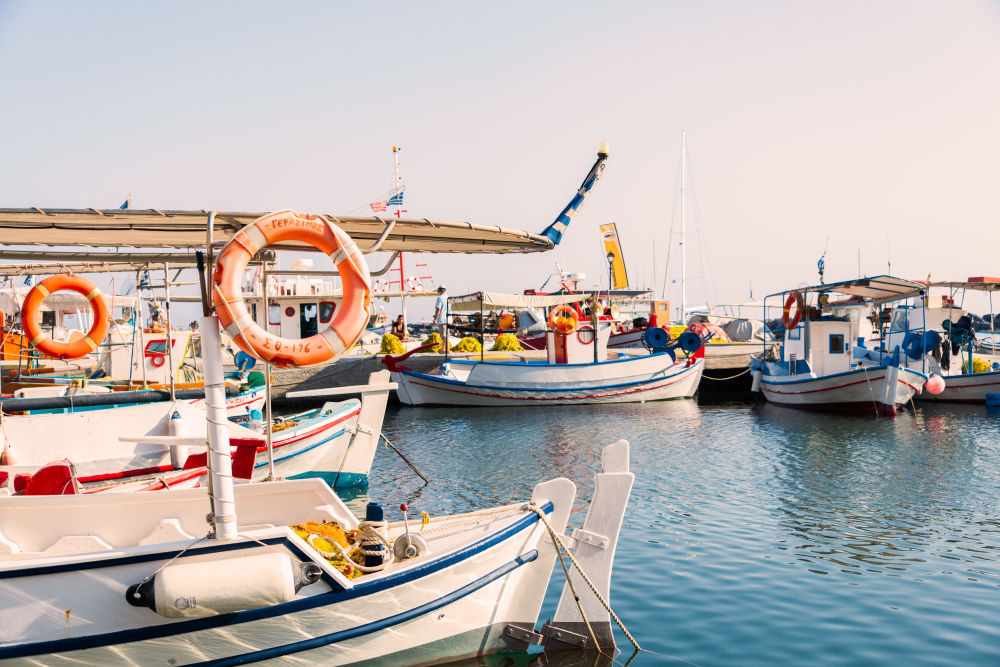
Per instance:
x=563, y=320
x=800, y=306
x=227, y=293
x=83, y=345
x=157, y=360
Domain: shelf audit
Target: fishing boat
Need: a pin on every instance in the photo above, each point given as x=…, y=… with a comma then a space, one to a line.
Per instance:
x=283, y=570
x=576, y=371
x=819, y=367
x=936, y=335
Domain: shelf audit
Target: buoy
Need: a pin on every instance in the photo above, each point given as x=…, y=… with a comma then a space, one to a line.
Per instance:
x=935, y=384
x=208, y=588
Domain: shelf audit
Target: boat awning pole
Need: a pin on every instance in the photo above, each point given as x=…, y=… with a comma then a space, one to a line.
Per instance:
x=267, y=384
x=170, y=329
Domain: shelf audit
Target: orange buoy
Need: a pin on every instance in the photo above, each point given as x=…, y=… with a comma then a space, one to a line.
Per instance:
x=800, y=305
x=82, y=346
x=563, y=319
x=352, y=315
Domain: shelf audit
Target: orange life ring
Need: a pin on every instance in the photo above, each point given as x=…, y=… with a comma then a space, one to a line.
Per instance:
x=157, y=360
x=563, y=319
x=800, y=305
x=352, y=316
x=80, y=347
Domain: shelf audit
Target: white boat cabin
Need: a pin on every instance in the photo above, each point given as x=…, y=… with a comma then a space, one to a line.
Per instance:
x=825, y=343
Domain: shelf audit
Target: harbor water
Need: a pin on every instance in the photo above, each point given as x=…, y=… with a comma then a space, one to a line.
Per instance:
x=755, y=534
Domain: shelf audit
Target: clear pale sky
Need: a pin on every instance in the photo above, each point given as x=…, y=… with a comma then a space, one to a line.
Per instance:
x=857, y=125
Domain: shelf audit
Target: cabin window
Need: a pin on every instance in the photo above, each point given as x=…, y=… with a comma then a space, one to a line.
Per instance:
x=795, y=334
x=158, y=346
x=307, y=320
x=274, y=314
x=836, y=343
x=900, y=320
x=326, y=309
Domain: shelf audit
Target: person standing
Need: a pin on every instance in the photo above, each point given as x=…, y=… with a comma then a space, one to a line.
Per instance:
x=441, y=312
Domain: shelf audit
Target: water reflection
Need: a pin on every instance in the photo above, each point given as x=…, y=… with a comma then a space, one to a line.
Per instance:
x=881, y=497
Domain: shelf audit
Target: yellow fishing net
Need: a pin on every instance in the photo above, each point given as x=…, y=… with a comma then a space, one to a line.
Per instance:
x=435, y=338
x=507, y=343
x=467, y=344
x=328, y=533
x=391, y=345
x=978, y=366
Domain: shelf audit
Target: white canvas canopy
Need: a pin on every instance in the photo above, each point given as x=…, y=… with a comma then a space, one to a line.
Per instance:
x=187, y=229
x=479, y=301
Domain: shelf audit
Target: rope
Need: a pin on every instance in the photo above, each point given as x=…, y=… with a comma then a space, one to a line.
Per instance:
x=731, y=377
x=583, y=575
x=870, y=390
x=370, y=536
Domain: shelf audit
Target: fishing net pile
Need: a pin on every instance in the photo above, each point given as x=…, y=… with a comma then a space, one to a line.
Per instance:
x=435, y=338
x=467, y=344
x=506, y=343
x=321, y=536
x=391, y=345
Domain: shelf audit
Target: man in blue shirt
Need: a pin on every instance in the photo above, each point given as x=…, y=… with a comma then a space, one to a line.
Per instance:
x=441, y=312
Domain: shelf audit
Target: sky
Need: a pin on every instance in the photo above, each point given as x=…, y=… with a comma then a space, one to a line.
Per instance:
x=867, y=130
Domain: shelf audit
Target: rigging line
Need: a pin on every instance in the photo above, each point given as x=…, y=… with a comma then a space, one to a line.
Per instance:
x=670, y=237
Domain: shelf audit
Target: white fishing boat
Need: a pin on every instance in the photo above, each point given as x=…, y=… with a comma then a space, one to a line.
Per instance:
x=336, y=443
x=143, y=579
x=935, y=335
x=577, y=369
x=818, y=365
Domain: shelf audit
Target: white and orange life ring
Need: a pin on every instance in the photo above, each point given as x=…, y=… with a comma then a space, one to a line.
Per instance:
x=563, y=319
x=80, y=347
x=352, y=316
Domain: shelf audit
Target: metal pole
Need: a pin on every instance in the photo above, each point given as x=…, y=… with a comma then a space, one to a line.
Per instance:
x=220, y=462
x=267, y=387
x=170, y=329
x=683, y=224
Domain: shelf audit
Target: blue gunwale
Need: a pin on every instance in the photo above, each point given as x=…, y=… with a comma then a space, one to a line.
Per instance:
x=776, y=379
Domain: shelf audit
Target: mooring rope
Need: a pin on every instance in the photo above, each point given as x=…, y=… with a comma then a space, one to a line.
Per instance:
x=731, y=377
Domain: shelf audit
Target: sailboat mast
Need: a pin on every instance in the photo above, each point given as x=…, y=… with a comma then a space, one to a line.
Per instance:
x=683, y=221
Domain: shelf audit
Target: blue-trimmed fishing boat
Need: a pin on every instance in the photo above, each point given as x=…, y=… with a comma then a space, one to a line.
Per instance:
x=823, y=360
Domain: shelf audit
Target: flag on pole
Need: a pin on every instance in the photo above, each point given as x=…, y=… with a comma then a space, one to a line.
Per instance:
x=144, y=281
x=125, y=204
x=396, y=199
x=28, y=280
x=378, y=206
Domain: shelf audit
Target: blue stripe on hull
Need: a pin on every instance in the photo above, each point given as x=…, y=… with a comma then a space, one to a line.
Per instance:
x=336, y=480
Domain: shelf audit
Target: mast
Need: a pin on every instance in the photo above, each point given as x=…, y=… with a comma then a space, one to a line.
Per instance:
x=402, y=279
x=683, y=221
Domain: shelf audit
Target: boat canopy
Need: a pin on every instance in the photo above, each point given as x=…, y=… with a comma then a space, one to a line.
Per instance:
x=36, y=263
x=978, y=285
x=479, y=301
x=876, y=289
x=154, y=228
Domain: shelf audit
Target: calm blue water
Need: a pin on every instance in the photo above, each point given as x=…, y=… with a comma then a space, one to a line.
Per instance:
x=755, y=535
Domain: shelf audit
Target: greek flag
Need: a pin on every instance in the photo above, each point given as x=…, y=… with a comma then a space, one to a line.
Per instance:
x=396, y=199
x=125, y=204
x=28, y=280
x=144, y=281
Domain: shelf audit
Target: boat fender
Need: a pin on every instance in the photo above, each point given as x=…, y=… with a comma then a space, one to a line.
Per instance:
x=179, y=426
x=208, y=588
x=755, y=385
x=935, y=384
x=689, y=341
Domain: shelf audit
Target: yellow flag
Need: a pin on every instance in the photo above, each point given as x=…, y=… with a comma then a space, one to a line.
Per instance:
x=613, y=248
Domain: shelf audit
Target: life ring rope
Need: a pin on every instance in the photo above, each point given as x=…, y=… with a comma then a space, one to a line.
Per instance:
x=322, y=234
